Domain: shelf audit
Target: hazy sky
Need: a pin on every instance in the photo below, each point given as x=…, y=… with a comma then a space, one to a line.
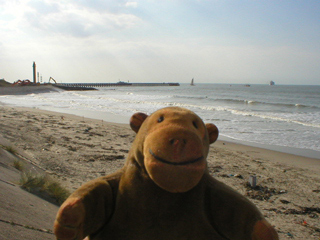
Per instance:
x=214, y=41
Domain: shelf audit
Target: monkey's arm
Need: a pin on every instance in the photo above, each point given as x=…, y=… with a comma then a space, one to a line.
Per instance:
x=235, y=217
x=85, y=211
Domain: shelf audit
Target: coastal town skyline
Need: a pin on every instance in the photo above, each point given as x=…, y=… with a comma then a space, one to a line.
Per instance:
x=161, y=41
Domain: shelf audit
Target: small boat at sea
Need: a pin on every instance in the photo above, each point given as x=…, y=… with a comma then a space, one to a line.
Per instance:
x=272, y=83
x=192, y=82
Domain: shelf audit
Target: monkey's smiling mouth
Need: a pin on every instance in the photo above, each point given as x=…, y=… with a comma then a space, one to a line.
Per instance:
x=174, y=163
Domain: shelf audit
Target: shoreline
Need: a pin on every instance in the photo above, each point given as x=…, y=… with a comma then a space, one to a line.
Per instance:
x=115, y=118
x=75, y=149
x=285, y=155
x=302, y=152
x=119, y=119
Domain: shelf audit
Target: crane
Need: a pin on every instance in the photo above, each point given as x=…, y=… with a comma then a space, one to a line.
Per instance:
x=51, y=78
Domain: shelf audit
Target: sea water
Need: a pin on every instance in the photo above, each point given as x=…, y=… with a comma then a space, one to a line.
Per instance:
x=279, y=115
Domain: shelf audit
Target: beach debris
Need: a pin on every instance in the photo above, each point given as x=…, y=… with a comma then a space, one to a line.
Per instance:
x=262, y=193
x=87, y=129
x=307, y=225
x=225, y=175
x=310, y=211
x=215, y=168
x=238, y=176
x=284, y=201
x=111, y=157
x=72, y=148
x=316, y=191
x=253, y=181
x=289, y=235
x=95, y=133
x=124, y=135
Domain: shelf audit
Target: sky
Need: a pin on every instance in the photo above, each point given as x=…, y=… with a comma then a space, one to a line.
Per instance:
x=212, y=41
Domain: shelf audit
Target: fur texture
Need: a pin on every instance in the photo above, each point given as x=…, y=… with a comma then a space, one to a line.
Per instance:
x=164, y=191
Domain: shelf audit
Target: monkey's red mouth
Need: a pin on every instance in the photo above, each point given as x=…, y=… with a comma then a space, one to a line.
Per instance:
x=175, y=163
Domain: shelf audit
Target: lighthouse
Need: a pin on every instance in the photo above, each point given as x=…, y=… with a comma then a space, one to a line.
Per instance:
x=34, y=73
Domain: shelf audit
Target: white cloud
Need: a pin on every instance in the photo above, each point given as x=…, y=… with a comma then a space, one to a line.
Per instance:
x=45, y=6
x=52, y=17
x=131, y=4
x=81, y=22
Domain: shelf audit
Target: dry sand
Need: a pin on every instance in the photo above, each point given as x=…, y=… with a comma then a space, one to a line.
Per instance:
x=75, y=150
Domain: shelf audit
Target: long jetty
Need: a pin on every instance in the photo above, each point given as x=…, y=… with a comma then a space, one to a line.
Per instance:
x=118, y=84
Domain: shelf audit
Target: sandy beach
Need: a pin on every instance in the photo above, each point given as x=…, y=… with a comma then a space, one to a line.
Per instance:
x=74, y=150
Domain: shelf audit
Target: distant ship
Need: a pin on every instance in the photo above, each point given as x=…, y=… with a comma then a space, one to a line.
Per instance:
x=192, y=82
x=272, y=83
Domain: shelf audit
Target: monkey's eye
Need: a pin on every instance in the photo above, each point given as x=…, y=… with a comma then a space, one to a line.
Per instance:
x=160, y=119
x=195, y=124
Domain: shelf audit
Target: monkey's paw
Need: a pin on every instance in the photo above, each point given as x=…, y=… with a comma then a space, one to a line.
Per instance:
x=69, y=220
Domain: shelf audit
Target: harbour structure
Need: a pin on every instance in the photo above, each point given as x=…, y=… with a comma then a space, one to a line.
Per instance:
x=34, y=72
x=118, y=84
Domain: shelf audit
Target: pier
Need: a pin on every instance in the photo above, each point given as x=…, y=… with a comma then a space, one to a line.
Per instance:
x=118, y=84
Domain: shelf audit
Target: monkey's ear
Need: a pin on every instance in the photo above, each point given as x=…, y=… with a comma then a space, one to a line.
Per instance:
x=136, y=121
x=213, y=132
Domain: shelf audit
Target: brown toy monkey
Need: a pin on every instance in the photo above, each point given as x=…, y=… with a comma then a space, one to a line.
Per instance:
x=164, y=191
